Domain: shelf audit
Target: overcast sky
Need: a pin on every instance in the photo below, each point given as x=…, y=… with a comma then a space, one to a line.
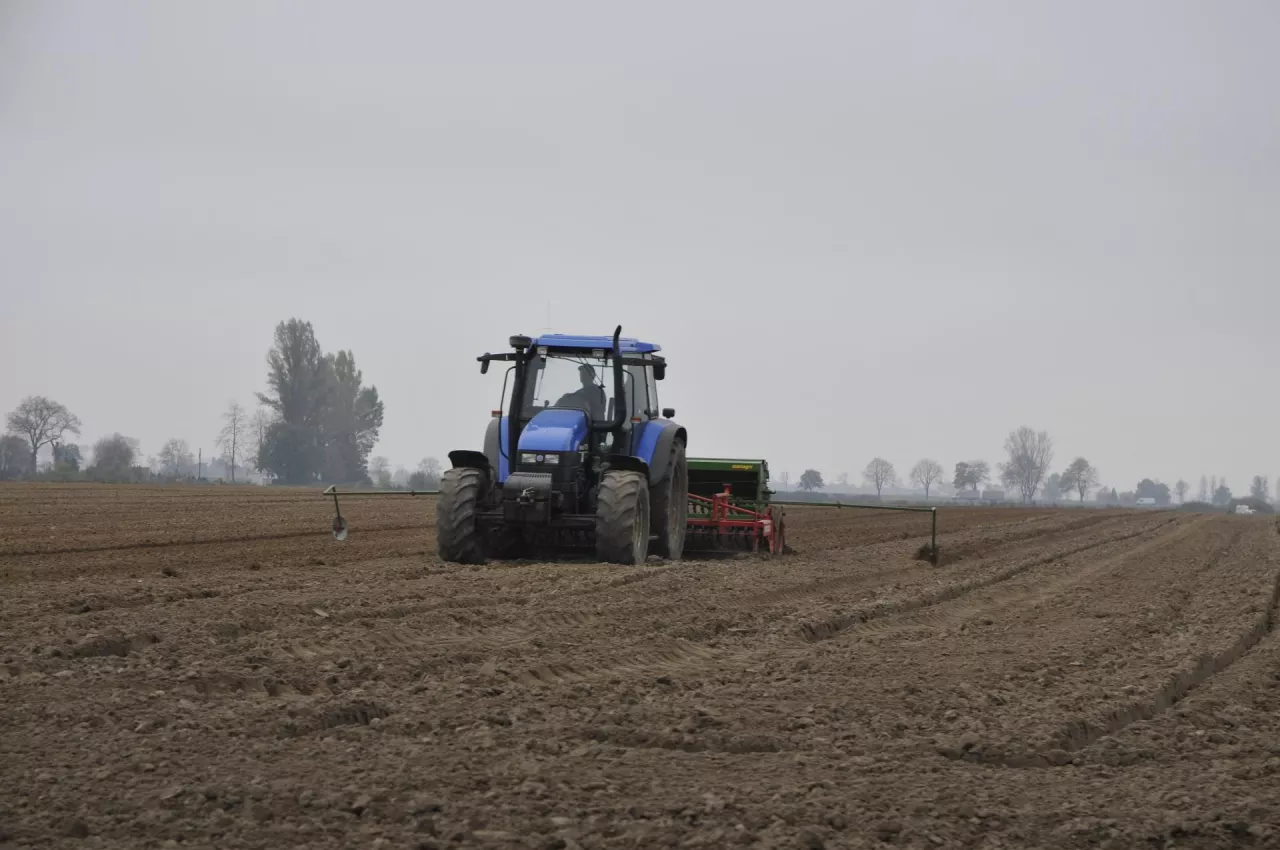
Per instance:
x=856, y=229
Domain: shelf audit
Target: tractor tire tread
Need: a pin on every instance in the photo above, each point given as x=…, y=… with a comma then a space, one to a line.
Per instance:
x=457, y=538
x=622, y=503
x=669, y=542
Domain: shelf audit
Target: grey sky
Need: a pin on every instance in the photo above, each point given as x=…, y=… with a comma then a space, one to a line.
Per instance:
x=857, y=229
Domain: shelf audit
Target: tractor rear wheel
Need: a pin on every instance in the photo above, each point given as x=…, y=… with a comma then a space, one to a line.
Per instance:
x=622, y=517
x=457, y=538
x=671, y=506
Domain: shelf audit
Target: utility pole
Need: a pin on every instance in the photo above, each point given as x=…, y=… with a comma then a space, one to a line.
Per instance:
x=199, y=464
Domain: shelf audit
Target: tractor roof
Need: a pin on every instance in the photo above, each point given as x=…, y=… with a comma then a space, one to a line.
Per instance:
x=628, y=345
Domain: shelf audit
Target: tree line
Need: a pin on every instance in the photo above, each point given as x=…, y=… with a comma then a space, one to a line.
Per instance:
x=1026, y=472
x=316, y=421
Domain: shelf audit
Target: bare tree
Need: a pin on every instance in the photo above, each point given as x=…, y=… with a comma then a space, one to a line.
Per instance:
x=879, y=474
x=1030, y=453
x=426, y=476
x=231, y=437
x=41, y=421
x=925, y=472
x=430, y=468
x=380, y=471
x=175, y=457
x=1203, y=493
x=1080, y=476
x=1181, y=489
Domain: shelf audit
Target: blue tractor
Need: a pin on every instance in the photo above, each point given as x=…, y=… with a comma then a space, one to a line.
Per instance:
x=582, y=457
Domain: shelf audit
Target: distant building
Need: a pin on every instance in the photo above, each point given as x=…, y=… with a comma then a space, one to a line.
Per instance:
x=1146, y=502
x=968, y=496
x=993, y=495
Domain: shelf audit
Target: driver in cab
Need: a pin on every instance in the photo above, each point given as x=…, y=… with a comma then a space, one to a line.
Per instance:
x=588, y=397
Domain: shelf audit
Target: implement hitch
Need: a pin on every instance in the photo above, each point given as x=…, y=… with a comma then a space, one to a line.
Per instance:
x=340, y=526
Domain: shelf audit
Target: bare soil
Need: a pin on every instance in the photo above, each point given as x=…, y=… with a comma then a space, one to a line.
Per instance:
x=206, y=667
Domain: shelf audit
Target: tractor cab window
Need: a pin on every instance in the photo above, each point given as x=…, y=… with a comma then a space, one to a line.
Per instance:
x=569, y=381
x=651, y=386
x=639, y=401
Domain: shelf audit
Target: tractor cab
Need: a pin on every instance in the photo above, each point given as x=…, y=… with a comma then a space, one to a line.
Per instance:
x=576, y=374
x=564, y=395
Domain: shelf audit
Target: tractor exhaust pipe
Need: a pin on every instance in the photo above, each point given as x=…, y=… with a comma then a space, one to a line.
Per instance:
x=619, y=392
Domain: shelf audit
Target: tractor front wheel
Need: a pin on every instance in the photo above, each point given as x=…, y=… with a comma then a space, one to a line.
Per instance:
x=457, y=538
x=622, y=517
x=671, y=507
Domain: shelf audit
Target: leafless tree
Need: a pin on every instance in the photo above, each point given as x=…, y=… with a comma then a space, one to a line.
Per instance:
x=380, y=471
x=925, y=472
x=231, y=439
x=1080, y=476
x=175, y=457
x=1181, y=489
x=41, y=421
x=430, y=468
x=1030, y=453
x=879, y=474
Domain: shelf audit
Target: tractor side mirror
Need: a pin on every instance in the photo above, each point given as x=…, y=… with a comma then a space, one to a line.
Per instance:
x=668, y=413
x=484, y=365
x=659, y=371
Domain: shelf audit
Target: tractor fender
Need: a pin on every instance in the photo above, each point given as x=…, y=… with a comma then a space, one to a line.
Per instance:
x=629, y=463
x=467, y=459
x=655, y=447
x=491, y=442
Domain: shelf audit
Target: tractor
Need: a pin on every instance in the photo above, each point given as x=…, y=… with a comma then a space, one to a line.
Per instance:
x=580, y=457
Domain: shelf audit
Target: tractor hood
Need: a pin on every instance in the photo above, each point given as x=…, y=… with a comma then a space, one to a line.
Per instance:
x=554, y=430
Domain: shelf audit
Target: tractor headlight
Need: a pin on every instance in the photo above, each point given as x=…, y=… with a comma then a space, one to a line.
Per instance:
x=539, y=457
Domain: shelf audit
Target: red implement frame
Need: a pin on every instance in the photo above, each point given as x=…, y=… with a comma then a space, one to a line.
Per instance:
x=728, y=521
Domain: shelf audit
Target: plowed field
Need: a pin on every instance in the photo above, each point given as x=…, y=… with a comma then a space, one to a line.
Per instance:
x=206, y=667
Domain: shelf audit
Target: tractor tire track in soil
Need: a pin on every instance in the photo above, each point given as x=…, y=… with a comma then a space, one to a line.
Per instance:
x=680, y=653
x=203, y=666
x=690, y=650
x=188, y=543
x=1001, y=597
x=822, y=629
x=1082, y=733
